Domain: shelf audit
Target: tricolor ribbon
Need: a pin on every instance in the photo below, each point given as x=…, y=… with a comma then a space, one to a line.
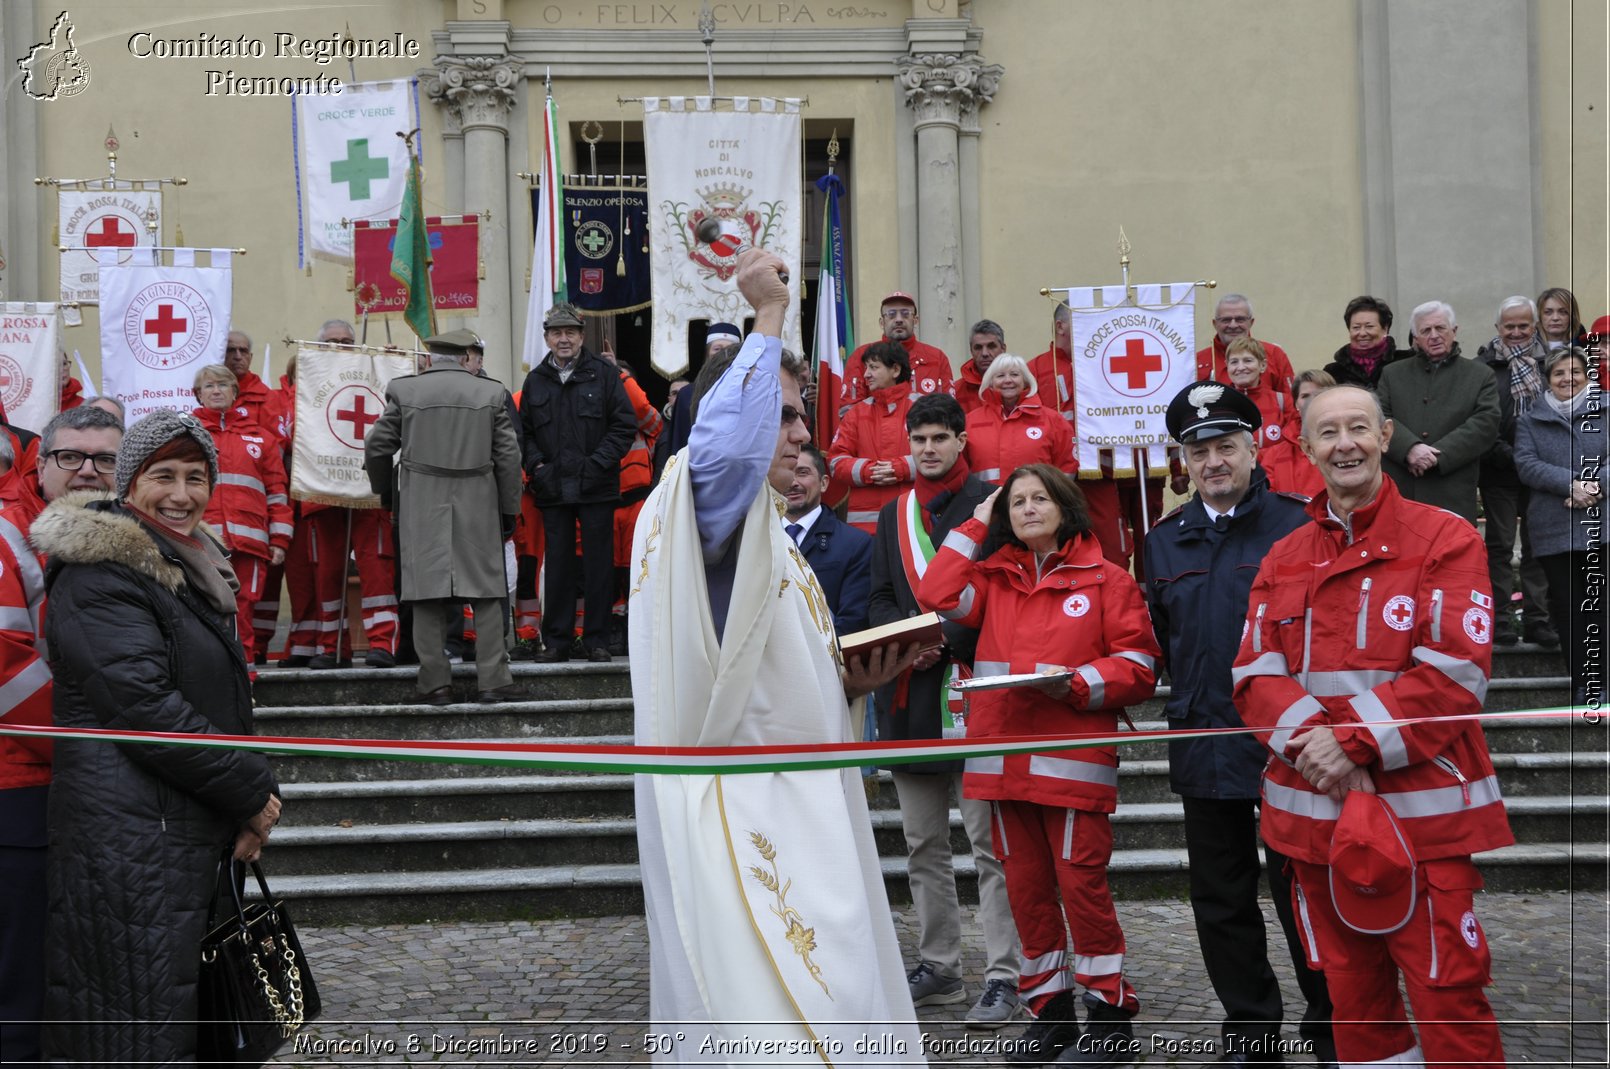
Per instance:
x=689, y=760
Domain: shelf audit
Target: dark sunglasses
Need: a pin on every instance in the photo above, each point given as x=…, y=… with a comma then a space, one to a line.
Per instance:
x=790, y=414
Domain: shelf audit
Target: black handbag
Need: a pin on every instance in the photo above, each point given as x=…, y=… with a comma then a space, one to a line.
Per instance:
x=255, y=989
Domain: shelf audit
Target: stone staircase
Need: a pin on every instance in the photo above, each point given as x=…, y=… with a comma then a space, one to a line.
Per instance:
x=384, y=841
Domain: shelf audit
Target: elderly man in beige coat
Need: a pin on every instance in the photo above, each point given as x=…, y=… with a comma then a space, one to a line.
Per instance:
x=458, y=494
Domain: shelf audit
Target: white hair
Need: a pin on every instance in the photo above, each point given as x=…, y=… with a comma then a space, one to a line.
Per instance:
x=1430, y=308
x=1233, y=298
x=1004, y=362
x=1511, y=303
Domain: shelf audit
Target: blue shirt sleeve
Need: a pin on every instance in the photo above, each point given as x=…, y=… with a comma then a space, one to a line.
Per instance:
x=733, y=441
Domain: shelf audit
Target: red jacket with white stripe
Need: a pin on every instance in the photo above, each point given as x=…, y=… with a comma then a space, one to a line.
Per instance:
x=930, y=372
x=637, y=466
x=871, y=431
x=249, y=506
x=967, y=385
x=1359, y=630
x=1077, y=609
x=1277, y=373
x=254, y=401
x=25, y=686
x=1000, y=443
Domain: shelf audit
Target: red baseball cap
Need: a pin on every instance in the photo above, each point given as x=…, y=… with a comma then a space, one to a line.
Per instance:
x=898, y=298
x=1372, y=867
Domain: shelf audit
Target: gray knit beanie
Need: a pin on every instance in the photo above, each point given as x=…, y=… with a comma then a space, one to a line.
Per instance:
x=152, y=433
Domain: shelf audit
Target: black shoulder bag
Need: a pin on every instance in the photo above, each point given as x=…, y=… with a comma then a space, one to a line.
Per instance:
x=255, y=989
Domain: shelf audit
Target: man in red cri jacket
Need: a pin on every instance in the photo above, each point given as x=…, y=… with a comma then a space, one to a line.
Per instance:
x=1377, y=613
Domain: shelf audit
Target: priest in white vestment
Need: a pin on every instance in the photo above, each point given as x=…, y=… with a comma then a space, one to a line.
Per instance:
x=770, y=940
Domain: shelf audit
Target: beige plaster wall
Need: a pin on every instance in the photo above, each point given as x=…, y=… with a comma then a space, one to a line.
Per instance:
x=1574, y=110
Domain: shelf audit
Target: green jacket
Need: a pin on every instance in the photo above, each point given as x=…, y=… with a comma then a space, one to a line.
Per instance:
x=1451, y=406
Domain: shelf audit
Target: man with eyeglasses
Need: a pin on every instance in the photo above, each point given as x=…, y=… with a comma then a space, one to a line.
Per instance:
x=930, y=367
x=254, y=399
x=78, y=452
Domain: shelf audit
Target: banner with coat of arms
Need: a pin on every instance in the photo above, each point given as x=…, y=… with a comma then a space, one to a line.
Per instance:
x=159, y=325
x=739, y=167
x=606, y=247
x=340, y=394
x=1129, y=360
x=455, y=278
x=30, y=363
x=349, y=161
x=103, y=214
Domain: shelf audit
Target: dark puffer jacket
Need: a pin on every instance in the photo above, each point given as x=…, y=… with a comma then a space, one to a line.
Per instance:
x=576, y=432
x=135, y=830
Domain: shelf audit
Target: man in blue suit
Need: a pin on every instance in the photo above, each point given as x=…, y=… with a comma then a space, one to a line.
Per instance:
x=840, y=555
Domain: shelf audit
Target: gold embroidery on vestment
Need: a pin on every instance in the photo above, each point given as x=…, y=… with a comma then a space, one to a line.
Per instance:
x=648, y=547
x=801, y=938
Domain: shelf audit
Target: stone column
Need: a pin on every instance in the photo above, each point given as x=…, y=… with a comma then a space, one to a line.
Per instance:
x=972, y=235
x=937, y=86
x=451, y=165
x=479, y=91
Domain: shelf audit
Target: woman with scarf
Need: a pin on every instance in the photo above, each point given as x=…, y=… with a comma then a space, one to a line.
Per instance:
x=1560, y=447
x=1369, y=345
x=1047, y=603
x=1559, y=318
x=1515, y=355
x=141, y=630
x=1010, y=428
x=870, y=452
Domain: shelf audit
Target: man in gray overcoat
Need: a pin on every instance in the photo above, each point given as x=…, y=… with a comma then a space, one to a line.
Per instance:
x=458, y=494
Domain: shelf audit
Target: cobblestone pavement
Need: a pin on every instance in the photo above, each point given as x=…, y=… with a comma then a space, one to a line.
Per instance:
x=575, y=992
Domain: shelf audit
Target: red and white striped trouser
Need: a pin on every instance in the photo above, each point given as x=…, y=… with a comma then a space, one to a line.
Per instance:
x=376, y=553
x=1441, y=953
x=252, y=572
x=1055, y=861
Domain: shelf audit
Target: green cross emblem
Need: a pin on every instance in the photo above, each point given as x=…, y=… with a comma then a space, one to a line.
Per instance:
x=594, y=241
x=359, y=169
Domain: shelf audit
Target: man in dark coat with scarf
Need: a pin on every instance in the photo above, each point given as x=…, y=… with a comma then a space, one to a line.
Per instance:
x=915, y=706
x=1200, y=562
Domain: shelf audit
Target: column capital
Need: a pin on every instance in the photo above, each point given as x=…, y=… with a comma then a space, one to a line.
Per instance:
x=475, y=92
x=948, y=88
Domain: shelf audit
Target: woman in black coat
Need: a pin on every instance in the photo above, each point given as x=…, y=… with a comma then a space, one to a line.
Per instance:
x=141, y=629
x=1369, y=345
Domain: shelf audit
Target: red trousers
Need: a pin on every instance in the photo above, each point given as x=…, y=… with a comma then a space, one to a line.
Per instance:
x=1441, y=955
x=253, y=574
x=1056, y=879
x=376, y=553
x=1115, y=513
x=301, y=588
x=265, y=617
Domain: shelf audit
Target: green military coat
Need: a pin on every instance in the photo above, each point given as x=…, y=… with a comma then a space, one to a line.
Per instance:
x=1451, y=406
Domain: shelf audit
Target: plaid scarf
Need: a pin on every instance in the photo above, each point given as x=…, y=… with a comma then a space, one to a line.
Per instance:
x=1524, y=381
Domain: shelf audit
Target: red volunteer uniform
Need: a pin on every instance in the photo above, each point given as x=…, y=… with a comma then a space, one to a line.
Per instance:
x=25, y=687
x=264, y=407
x=1114, y=503
x=1277, y=374
x=967, y=385
x=637, y=470
x=249, y=507
x=1280, y=451
x=1052, y=832
x=873, y=430
x=1360, y=630
x=997, y=444
x=19, y=498
x=930, y=372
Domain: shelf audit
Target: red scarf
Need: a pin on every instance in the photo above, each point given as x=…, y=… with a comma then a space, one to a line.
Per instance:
x=928, y=489
x=1367, y=359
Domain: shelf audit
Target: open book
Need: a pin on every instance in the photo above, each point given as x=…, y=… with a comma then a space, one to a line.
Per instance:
x=1020, y=679
x=924, y=630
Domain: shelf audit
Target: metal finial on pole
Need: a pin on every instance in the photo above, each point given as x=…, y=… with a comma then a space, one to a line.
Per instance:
x=707, y=27
x=1123, y=263
x=111, y=151
x=832, y=150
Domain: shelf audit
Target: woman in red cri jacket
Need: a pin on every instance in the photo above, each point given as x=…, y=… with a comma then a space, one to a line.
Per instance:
x=871, y=452
x=1048, y=602
x=249, y=508
x=1010, y=428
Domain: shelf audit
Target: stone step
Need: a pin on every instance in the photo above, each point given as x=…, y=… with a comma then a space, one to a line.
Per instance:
x=556, y=720
x=581, y=679
x=523, y=843
x=602, y=797
x=570, y=890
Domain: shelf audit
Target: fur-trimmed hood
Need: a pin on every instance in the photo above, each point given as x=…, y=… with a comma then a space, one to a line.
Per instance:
x=89, y=527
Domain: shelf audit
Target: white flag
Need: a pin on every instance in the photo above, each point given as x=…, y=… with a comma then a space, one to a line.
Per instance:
x=30, y=363
x=548, y=253
x=740, y=168
x=159, y=325
x=340, y=393
x=106, y=218
x=1129, y=360
x=351, y=163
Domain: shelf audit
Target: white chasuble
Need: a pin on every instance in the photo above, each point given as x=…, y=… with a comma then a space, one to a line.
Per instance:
x=769, y=931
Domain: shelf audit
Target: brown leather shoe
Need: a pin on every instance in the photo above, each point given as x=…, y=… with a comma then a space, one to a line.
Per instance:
x=514, y=692
x=439, y=696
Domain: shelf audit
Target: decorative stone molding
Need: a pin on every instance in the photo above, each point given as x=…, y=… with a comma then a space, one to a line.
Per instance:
x=476, y=92
x=943, y=88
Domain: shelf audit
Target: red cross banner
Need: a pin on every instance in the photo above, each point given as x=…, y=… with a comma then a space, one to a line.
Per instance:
x=340, y=393
x=30, y=363
x=1129, y=360
x=350, y=164
x=102, y=215
x=160, y=325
